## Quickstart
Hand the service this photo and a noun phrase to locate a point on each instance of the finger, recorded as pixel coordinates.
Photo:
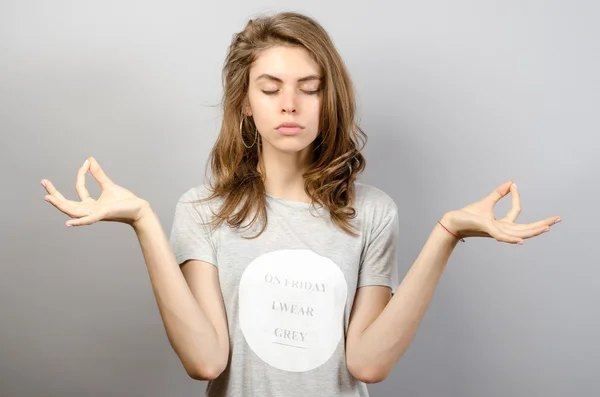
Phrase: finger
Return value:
(515, 209)
(525, 233)
(86, 220)
(499, 234)
(80, 182)
(98, 174)
(67, 207)
(550, 221)
(52, 190)
(500, 191)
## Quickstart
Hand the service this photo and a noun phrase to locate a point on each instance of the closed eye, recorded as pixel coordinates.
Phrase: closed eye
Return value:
(275, 92)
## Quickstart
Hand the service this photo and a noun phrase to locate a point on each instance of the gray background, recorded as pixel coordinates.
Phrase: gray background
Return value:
(456, 97)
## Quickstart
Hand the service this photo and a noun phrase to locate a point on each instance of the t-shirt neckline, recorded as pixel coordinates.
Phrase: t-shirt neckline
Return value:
(291, 203)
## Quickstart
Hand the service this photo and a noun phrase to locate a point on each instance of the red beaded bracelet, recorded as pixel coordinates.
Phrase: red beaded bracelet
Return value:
(461, 239)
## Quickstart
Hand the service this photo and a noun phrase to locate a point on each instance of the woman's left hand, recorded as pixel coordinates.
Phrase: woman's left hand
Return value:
(477, 219)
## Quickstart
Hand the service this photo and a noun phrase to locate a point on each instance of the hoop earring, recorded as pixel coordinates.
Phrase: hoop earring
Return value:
(242, 134)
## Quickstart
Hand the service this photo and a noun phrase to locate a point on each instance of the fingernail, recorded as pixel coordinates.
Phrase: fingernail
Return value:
(47, 199)
(43, 184)
(86, 162)
(546, 230)
(515, 185)
(69, 225)
(520, 242)
(558, 220)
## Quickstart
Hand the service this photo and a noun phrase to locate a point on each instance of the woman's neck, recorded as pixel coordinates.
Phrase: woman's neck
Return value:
(283, 174)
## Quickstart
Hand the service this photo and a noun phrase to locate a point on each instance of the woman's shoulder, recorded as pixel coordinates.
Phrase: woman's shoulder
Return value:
(199, 197)
(367, 198)
(195, 193)
(371, 197)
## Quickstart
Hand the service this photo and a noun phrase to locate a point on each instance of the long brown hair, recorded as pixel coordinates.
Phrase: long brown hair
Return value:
(329, 181)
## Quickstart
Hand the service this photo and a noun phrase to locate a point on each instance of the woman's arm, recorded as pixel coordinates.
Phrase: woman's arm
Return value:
(381, 329)
(189, 298)
(189, 301)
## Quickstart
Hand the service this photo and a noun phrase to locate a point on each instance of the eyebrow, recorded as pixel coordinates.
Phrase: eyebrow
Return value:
(301, 80)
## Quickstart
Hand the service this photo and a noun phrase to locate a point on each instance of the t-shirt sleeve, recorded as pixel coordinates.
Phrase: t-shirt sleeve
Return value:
(191, 236)
(379, 265)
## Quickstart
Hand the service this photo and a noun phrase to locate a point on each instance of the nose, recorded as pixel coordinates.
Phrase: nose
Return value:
(288, 104)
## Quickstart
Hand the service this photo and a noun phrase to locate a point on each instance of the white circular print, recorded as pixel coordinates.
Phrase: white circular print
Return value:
(291, 308)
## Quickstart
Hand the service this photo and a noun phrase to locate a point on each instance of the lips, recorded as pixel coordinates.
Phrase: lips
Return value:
(289, 125)
(289, 128)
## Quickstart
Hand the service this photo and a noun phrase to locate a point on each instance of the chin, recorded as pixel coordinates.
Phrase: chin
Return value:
(290, 147)
(288, 144)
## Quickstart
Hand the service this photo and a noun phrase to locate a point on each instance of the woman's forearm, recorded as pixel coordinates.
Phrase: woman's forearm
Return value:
(383, 343)
(189, 330)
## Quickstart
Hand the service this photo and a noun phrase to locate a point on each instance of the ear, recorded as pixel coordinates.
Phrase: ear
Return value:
(247, 109)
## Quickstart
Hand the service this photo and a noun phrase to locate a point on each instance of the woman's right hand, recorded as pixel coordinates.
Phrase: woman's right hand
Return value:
(115, 204)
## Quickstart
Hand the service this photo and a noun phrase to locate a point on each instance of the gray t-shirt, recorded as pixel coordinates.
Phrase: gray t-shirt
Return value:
(288, 294)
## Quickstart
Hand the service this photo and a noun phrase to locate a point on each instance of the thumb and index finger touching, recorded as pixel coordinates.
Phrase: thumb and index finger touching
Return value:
(503, 190)
(91, 165)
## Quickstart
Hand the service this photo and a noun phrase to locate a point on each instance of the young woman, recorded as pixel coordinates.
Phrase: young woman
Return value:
(279, 277)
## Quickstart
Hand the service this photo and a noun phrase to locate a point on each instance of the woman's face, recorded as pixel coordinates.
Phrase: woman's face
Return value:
(285, 87)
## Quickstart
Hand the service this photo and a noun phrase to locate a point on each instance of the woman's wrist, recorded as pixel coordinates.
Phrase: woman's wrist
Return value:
(144, 214)
(447, 222)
